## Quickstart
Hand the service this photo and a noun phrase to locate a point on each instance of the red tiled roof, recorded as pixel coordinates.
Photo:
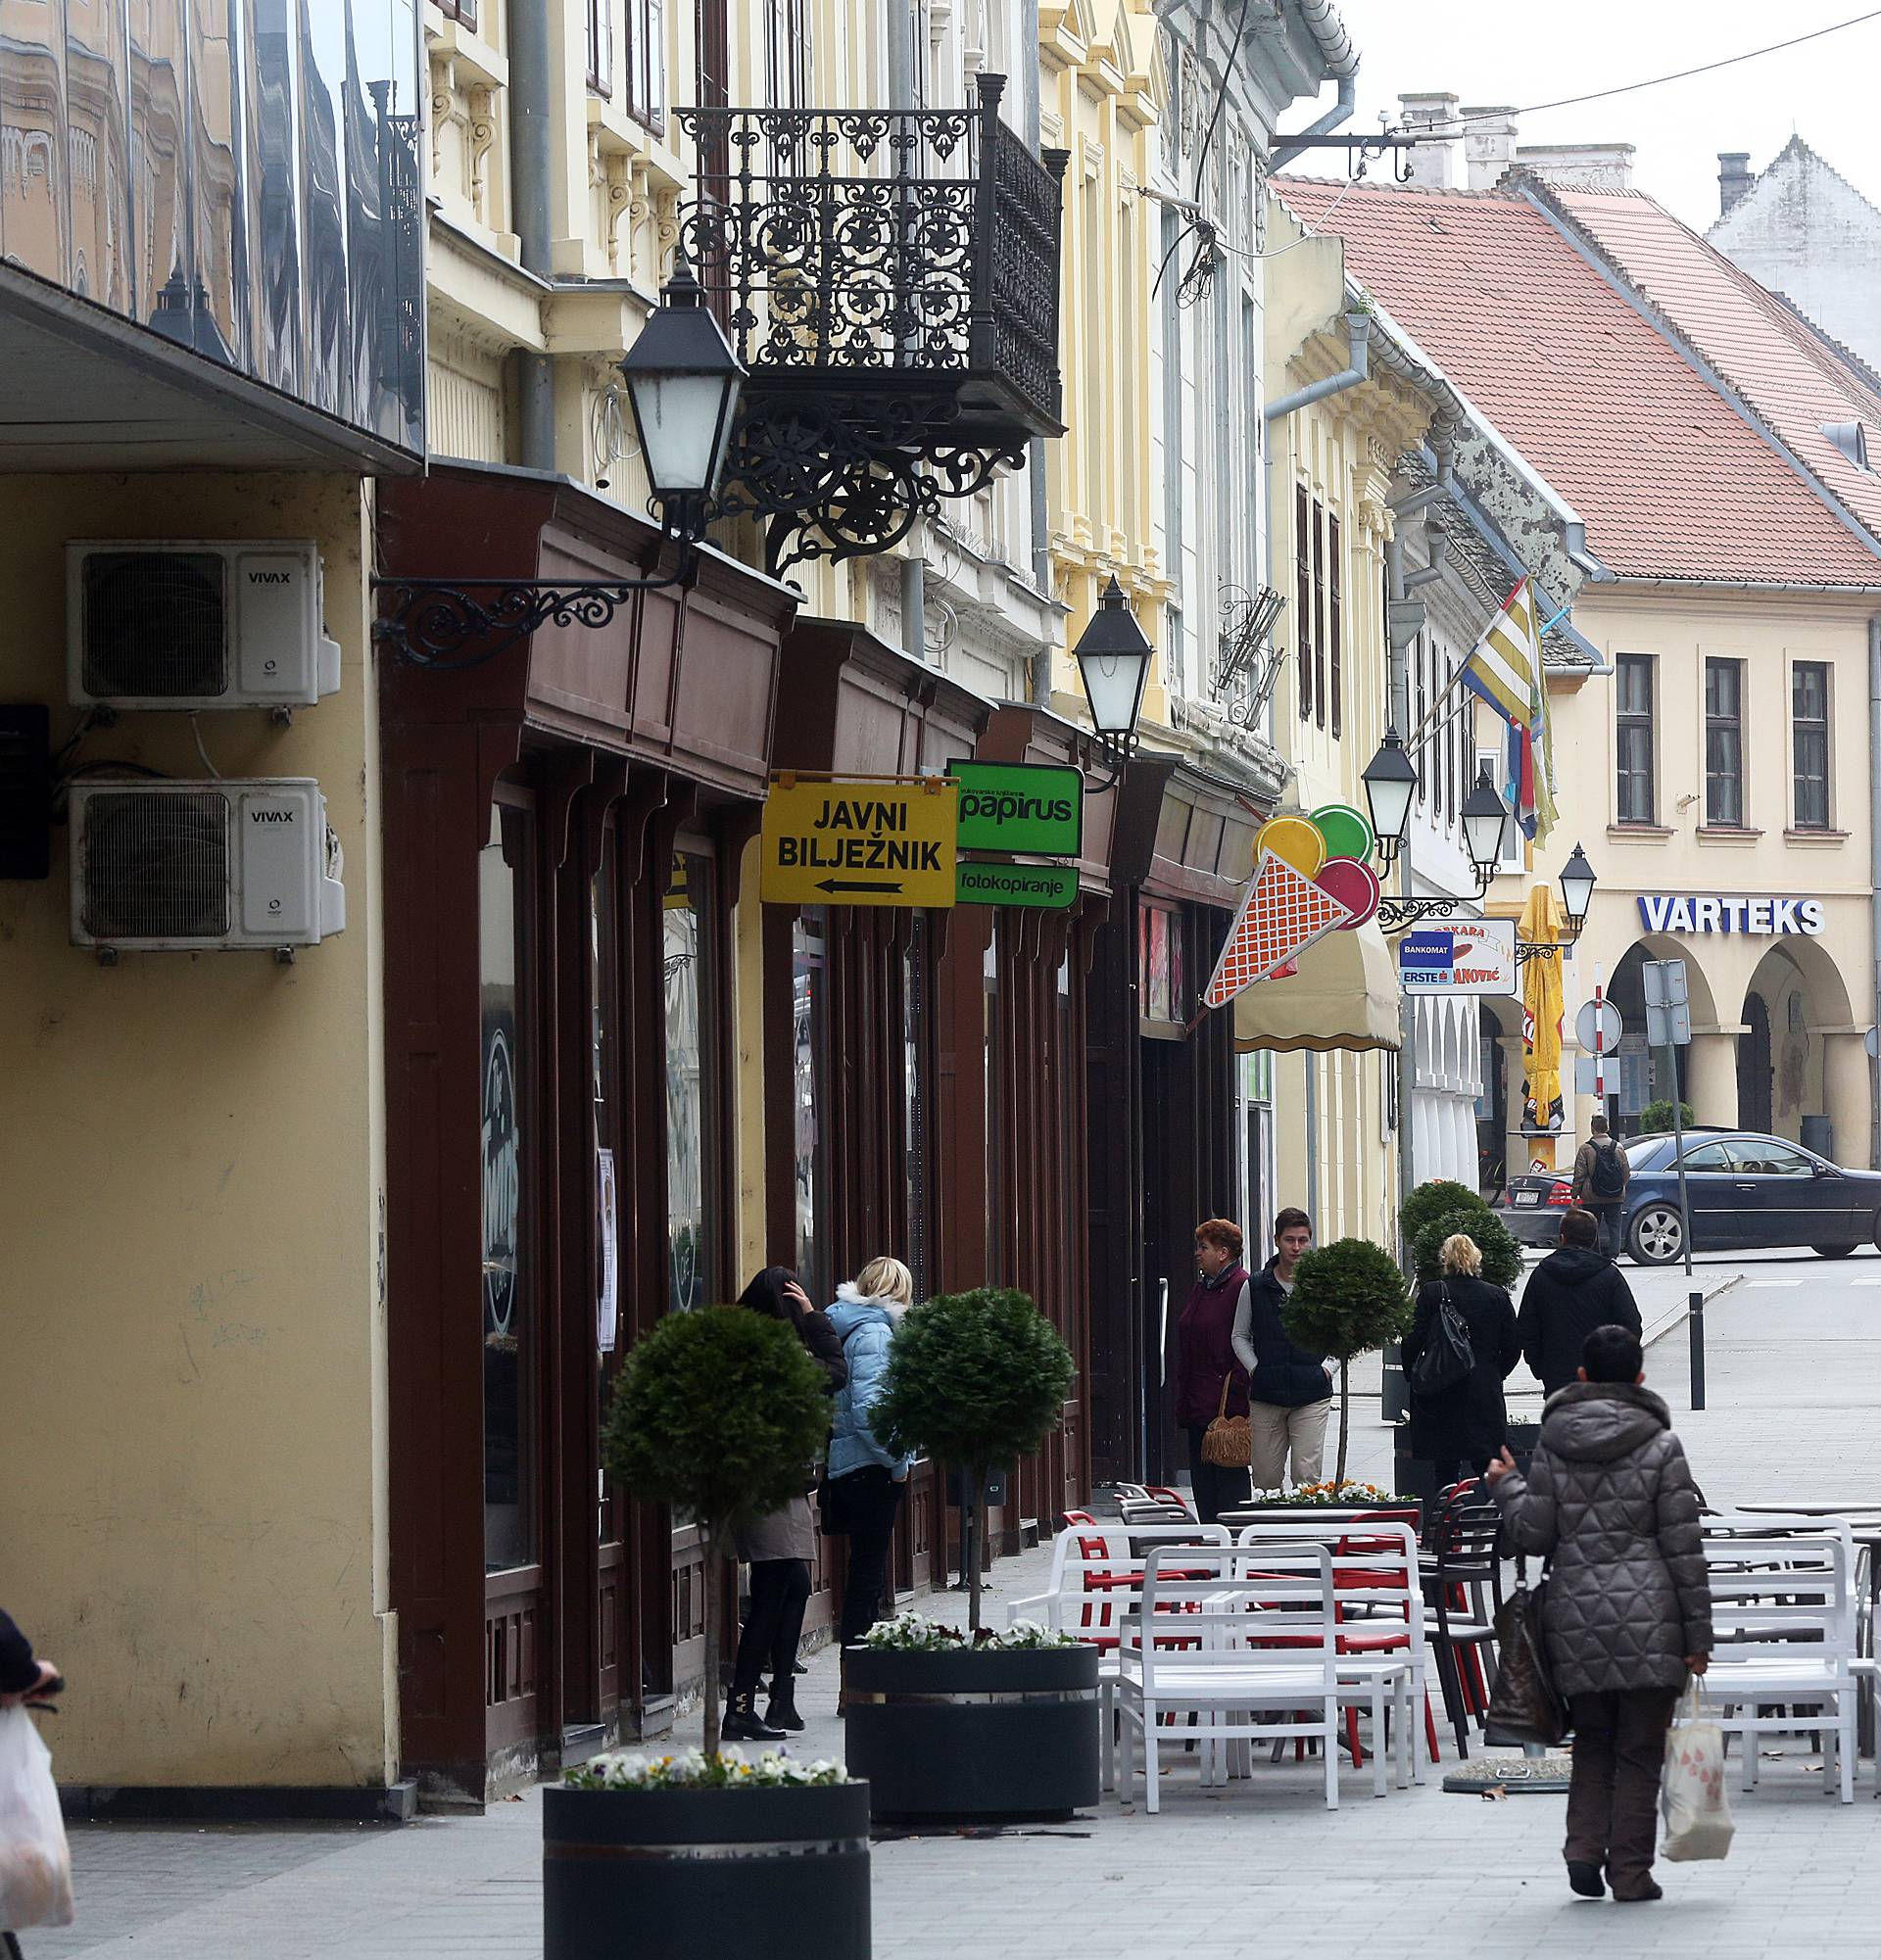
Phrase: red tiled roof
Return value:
(1669, 479)
(1747, 335)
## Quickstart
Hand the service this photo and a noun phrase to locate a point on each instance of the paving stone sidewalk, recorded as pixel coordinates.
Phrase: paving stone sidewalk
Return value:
(1794, 1354)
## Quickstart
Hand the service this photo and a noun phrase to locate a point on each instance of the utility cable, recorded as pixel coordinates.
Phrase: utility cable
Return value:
(1657, 80)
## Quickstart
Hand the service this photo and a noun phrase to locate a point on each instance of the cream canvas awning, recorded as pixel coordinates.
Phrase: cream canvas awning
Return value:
(1346, 996)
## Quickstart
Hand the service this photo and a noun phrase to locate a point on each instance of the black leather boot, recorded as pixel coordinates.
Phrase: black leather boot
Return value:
(742, 1724)
(781, 1711)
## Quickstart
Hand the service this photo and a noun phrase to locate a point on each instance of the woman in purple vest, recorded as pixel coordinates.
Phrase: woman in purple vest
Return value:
(1205, 1363)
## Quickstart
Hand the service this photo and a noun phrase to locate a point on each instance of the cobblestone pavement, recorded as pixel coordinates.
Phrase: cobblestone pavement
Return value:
(1794, 1365)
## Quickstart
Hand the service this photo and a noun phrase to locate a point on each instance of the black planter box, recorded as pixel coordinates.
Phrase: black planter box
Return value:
(655, 1873)
(974, 1737)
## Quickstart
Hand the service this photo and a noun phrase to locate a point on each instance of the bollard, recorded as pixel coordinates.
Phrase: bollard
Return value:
(1697, 1326)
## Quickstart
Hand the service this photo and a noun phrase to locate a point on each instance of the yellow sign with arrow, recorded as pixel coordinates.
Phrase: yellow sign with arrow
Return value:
(860, 843)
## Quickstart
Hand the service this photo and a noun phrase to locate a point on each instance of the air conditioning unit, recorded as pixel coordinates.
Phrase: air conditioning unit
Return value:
(187, 867)
(191, 623)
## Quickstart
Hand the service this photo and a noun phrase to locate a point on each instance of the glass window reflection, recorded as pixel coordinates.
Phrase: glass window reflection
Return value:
(687, 952)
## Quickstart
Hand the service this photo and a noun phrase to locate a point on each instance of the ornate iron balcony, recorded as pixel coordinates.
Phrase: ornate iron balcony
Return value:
(891, 279)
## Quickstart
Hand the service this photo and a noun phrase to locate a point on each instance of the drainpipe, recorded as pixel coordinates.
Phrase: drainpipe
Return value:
(1874, 870)
(530, 134)
(1358, 329)
(1341, 63)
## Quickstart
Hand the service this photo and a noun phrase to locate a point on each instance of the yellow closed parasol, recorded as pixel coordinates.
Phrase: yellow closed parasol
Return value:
(1542, 1113)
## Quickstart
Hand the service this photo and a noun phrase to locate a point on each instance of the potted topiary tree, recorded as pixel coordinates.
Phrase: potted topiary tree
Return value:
(1501, 1254)
(720, 1411)
(1348, 1297)
(985, 1725)
(1437, 1198)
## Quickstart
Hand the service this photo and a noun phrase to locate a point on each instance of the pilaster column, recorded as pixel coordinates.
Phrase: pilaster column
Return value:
(1710, 1079)
(1845, 1095)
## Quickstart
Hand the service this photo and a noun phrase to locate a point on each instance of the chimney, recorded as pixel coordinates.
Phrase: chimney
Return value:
(1432, 163)
(1488, 146)
(1580, 166)
(1734, 177)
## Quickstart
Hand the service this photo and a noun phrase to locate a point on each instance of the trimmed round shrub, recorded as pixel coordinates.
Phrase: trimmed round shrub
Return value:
(1501, 1254)
(1348, 1297)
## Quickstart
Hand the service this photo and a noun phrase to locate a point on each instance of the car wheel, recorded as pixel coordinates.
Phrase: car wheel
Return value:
(1657, 1236)
(1832, 1251)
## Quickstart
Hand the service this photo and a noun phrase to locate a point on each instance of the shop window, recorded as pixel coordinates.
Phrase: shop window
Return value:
(1633, 738)
(914, 1106)
(642, 57)
(509, 1332)
(1724, 742)
(809, 1045)
(1810, 739)
(1319, 614)
(1159, 965)
(691, 1222)
(604, 1005)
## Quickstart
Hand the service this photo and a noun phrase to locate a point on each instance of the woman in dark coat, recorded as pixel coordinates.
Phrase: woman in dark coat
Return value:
(1465, 1425)
(1209, 1380)
(780, 1545)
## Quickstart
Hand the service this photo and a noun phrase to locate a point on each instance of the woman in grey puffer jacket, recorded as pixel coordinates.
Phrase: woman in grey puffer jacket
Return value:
(1609, 1501)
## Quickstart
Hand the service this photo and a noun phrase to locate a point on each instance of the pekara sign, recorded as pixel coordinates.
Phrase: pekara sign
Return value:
(1469, 956)
(1687, 911)
(888, 843)
(1033, 809)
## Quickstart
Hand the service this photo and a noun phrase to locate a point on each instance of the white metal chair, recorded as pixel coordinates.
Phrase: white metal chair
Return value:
(1265, 1640)
(1382, 1643)
(1783, 1635)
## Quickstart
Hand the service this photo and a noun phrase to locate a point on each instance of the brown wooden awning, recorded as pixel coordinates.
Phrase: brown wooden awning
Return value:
(1182, 835)
(852, 706)
(684, 680)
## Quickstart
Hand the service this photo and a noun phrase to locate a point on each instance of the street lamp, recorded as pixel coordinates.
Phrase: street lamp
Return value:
(1577, 882)
(1114, 656)
(1485, 822)
(683, 382)
(1390, 782)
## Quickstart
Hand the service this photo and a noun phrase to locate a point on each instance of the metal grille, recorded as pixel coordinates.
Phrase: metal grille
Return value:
(156, 865)
(155, 623)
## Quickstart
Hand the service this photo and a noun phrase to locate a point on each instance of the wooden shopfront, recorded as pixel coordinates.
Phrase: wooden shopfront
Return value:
(564, 830)
(1166, 1155)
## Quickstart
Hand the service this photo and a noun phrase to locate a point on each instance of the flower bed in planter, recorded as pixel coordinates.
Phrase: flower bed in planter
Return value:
(655, 1855)
(947, 1732)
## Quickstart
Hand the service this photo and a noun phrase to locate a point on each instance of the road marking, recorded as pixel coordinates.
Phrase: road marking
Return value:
(1783, 1282)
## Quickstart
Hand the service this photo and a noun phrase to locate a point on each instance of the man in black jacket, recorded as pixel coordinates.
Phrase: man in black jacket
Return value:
(1290, 1388)
(1569, 1294)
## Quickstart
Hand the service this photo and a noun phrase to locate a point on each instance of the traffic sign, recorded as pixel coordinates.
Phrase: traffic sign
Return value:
(1048, 886)
(1598, 1026)
(860, 843)
(1033, 808)
(1669, 1015)
(1470, 956)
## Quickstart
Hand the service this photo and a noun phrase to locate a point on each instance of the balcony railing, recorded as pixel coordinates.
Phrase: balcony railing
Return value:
(897, 252)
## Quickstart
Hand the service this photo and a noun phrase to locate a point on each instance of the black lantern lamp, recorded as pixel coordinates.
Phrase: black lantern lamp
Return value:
(1577, 883)
(684, 381)
(1114, 658)
(1390, 782)
(1486, 827)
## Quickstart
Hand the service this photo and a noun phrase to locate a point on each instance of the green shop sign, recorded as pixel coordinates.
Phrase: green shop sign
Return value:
(1035, 809)
(1048, 886)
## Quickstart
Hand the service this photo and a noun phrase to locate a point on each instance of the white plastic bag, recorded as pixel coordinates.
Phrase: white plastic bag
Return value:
(1691, 1789)
(35, 1863)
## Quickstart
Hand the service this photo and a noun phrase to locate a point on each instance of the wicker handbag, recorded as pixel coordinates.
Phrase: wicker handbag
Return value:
(1229, 1441)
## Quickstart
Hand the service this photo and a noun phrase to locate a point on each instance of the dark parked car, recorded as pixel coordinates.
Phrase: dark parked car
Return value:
(1743, 1190)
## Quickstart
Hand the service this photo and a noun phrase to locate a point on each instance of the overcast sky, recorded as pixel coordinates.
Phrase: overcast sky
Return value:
(1489, 52)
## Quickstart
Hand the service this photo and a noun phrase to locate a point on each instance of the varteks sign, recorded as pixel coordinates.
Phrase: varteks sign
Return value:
(1679, 912)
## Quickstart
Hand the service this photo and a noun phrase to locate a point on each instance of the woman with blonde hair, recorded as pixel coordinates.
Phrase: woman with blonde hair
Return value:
(864, 1491)
(1465, 1422)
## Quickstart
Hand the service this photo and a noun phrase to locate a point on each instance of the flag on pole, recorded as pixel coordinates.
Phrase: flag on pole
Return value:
(1505, 670)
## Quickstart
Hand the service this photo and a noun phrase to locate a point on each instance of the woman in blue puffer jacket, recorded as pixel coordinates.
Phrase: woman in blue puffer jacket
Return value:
(865, 1483)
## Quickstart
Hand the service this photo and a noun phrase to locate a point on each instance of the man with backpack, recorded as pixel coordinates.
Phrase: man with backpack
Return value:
(1601, 1174)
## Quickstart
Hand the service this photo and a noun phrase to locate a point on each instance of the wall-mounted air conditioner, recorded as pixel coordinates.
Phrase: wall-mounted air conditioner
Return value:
(185, 866)
(191, 623)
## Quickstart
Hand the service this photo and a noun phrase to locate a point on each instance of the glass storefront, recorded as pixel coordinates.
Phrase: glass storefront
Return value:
(690, 1086)
(508, 1374)
(809, 1042)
